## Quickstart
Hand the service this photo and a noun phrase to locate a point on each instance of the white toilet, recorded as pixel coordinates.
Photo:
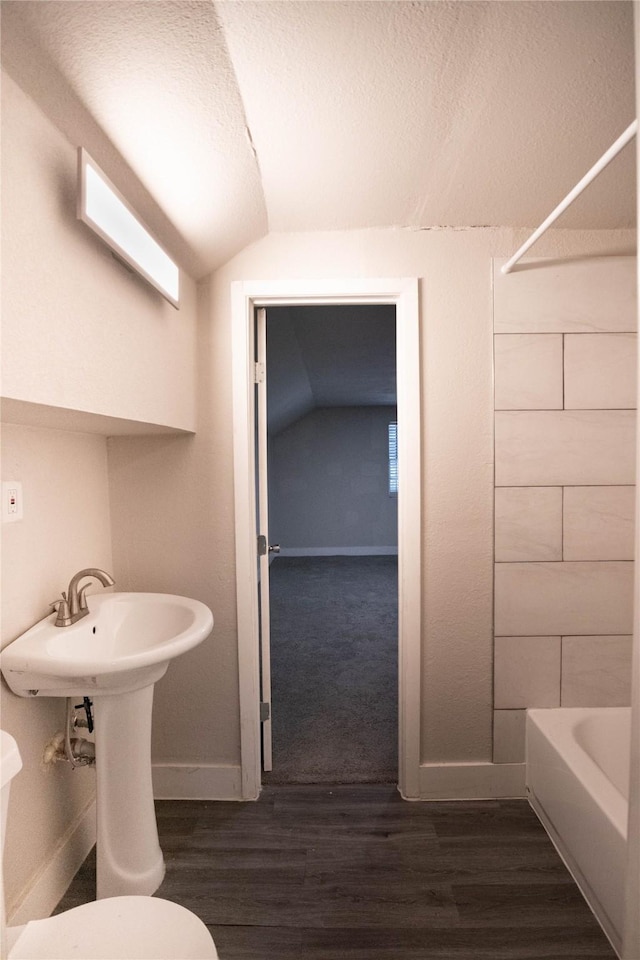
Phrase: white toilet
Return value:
(117, 928)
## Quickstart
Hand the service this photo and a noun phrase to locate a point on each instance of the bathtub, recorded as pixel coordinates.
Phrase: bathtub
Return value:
(578, 784)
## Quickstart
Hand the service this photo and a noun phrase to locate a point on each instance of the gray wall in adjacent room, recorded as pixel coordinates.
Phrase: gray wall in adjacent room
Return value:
(328, 482)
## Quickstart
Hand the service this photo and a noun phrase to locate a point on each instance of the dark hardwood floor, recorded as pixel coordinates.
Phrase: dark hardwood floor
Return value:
(356, 873)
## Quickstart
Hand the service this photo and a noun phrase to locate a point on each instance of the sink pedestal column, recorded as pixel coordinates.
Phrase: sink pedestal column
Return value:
(129, 858)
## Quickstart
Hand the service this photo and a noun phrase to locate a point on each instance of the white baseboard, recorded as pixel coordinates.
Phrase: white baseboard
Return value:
(472, 781)
(338, 551)
(49, 885)
(438, 781)
(188, 781)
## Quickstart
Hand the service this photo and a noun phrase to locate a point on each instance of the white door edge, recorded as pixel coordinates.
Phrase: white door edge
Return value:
(245, 297)
(260, 421)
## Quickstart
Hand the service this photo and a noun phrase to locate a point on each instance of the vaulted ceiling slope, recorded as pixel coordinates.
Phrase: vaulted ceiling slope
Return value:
(328, 356)
(241, 117)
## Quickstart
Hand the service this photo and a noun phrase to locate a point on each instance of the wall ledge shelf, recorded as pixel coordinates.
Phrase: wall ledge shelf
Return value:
(26, 413)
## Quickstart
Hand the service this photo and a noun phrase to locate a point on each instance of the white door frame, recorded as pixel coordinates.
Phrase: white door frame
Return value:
(403, 293)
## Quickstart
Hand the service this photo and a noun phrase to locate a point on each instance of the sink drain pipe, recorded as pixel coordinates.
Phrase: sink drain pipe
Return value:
(77, 751)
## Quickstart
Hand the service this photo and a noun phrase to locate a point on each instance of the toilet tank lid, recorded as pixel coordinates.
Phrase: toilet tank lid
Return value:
(10, 762)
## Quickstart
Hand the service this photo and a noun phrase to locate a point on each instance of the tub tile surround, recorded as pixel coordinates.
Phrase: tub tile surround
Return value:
(579, 295)
(527, 672)
(528, 372)
(528, 523)
(596, 671)
(600, 371)
(565, 386)
(565, 598)
(598, 523)
(564, 448)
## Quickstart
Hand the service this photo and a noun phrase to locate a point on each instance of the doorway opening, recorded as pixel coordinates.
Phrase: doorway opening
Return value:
(332, 511)
(402, 295)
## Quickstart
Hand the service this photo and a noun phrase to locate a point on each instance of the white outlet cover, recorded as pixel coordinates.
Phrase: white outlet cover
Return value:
(12, 507)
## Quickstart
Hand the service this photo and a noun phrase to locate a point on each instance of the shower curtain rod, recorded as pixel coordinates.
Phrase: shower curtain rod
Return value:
(597, 168)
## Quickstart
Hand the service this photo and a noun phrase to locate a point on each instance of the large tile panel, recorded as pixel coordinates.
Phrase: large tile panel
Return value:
(566, 296)
(600, 371)
(596, 671)
(564, 447)
(528, 371)
(528, 523)
(527, 672)
(598, 523)
(538, 599)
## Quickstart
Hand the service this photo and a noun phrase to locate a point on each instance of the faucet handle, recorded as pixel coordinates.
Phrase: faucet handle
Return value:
(61, 607)
(55, 604)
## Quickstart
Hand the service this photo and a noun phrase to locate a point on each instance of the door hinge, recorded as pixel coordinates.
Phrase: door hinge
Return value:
(258, 372)
(265, 711)
(262, 545)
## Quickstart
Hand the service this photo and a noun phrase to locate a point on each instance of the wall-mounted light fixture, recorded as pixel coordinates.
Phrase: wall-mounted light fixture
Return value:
(109, 215)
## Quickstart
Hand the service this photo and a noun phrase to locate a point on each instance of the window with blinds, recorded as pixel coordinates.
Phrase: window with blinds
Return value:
(393, 459)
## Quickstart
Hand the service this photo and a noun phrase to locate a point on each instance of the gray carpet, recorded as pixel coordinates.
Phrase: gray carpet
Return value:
(334, 655)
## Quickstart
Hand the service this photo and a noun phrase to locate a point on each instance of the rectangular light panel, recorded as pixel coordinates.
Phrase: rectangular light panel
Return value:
(108, 214)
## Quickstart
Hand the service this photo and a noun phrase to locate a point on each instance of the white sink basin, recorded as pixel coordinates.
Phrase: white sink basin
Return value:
(125, 643)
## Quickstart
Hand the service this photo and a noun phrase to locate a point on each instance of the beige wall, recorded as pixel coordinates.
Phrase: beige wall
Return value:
(631, 945)
(173, 530)
(80, 331)
(66, 527)
(457, 414)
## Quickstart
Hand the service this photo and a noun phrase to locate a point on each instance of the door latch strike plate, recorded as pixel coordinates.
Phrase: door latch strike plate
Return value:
(265, 711)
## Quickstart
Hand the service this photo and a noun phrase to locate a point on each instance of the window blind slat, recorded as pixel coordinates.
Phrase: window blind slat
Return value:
(393, 458)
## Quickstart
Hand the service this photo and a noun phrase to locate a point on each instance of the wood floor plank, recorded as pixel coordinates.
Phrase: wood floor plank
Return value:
(521, 905)
(233, 867)
(272, 943)
(341, 904)
(492, 859)
(355, 873)
(482, 818)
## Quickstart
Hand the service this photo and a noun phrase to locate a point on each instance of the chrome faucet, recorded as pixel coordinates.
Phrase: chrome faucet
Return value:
(73, 604)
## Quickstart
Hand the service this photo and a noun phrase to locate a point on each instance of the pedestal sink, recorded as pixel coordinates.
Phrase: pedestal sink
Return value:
(114, 655)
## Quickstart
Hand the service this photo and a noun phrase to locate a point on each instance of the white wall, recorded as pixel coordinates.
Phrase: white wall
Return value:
(80, 331)
(329, 481)
(66, 527)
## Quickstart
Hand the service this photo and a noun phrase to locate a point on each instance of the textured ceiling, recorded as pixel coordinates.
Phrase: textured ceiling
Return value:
(425, 114)
(241, 117)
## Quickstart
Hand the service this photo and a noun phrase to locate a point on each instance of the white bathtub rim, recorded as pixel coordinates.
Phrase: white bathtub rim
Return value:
(584, 813)
(614, 805)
